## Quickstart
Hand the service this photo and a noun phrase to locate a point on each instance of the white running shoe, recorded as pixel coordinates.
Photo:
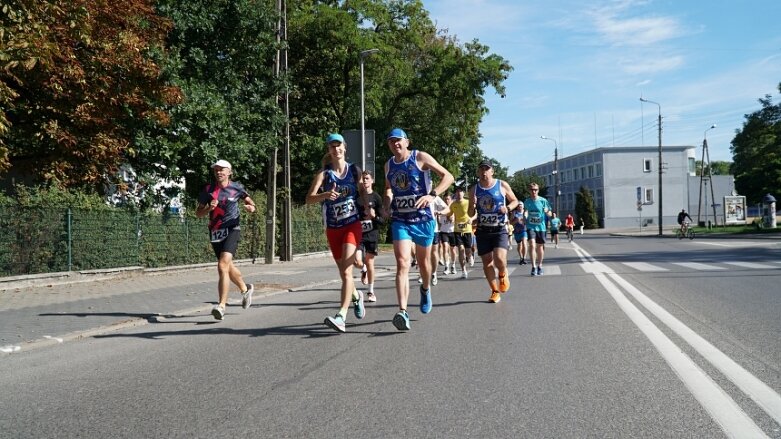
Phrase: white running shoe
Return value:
(246, 297)
(464, 274)
(453, 269)
(434, 279)
(218, 312)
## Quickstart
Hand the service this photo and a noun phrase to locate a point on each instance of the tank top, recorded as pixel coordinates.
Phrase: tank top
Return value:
(408, 183)
(489, 201)
(343, 210)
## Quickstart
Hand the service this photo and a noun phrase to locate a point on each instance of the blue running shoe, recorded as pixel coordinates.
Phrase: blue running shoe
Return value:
(401, 321)
(358, 308)
(425, 301)
(534, 271)
(336, 323)
(539, 271)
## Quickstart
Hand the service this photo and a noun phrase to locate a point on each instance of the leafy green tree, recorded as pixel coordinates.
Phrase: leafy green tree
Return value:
(77, 77)
(717, 167)
(221, 55)
(520, 184)
(756, 150)
(585, 209)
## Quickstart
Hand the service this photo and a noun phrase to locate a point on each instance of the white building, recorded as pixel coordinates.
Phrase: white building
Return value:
(618, 176)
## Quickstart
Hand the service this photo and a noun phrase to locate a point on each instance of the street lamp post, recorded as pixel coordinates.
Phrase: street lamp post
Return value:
(364, 54)
(555, 171)
(660, 160)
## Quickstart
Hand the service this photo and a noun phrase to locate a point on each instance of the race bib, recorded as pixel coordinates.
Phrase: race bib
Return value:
(462, 226)
(344, 210)
(535, 218)
(490, 219)
(367, 226)
(405, 204)
(219, 235)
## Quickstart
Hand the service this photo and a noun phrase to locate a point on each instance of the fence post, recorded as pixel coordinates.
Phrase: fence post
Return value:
(70, 240)
(138, 238)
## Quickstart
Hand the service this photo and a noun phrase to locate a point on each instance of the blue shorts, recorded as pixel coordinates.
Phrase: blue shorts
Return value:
(519, 237)
(421, 234)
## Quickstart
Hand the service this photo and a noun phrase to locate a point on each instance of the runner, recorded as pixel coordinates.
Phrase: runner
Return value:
(370, 223)
(569, 224)
(446, 238)
(408, 195)
(220, 200)
(463, 230)
(336, 186)
(519, 231)
(537, 211)
(437, 206)
(490, 199)
(555, 224)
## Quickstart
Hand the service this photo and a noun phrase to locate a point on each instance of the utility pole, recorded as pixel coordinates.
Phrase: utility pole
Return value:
(287, 237)
(705, 166)
(660, 162)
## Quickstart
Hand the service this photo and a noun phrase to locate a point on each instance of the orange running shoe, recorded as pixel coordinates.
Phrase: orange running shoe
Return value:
(504, 282)
(495, 297)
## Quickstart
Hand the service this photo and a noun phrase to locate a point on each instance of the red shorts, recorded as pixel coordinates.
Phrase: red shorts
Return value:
(349, 234)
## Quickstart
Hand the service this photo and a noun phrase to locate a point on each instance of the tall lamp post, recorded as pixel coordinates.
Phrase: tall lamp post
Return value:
(364, 55)
(555, 170)
(660, 160)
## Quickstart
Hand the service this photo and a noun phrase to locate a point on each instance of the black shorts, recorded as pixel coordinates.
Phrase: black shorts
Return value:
(448, 238)
(369, 246)
(464, 239)
(488, 241)
(537, 236)
(228, 245)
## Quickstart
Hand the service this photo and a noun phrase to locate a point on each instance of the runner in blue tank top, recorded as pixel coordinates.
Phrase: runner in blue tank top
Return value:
(408, 194)
(492, 199)
(337, 187)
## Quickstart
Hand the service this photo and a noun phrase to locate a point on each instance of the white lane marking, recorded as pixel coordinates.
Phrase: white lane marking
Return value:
(722, 408)
(57, 339)
(699, 266)
(750, 265)
(644, 266)
(761, 393)
(10, 348)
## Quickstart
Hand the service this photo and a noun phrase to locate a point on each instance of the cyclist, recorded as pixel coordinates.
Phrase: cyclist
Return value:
(569, 223)
(682, 220)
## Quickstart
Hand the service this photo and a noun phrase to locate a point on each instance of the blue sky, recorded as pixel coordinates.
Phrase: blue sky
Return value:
(580, 68)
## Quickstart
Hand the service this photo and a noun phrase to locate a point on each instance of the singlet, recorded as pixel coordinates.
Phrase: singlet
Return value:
(569, 221)
(460, 209)
(438, 205)
(519, 226)
(535, 210)
(489, 201)
(408, 183)
(343, 210)
(225, 216)
(446, 224)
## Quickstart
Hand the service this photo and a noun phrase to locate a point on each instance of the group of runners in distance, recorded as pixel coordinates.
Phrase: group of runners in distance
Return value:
(422, 224)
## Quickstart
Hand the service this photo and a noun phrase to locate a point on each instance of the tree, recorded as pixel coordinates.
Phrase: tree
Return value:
(520, 184)
(221, 54)
(756, 150)
(74, 98)
(584, 208)
(716, 168)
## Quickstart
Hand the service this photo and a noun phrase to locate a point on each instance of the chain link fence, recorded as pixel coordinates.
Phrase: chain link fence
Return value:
(41, 240)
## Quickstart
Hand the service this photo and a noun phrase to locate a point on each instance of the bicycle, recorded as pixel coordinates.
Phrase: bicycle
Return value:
(570, 236)
(685, 232)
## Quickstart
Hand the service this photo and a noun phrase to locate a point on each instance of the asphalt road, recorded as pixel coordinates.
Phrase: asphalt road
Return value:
(615, 340)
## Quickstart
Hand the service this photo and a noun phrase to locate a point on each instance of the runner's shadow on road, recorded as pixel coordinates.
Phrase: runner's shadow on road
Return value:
(149, 317)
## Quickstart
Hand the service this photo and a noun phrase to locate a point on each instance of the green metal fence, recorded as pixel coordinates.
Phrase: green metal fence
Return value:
(39, 240)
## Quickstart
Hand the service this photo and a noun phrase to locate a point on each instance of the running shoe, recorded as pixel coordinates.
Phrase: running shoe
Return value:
(425, 301)
(523, 261)
(401, 321)
(371, 297)
(504, 282)
(336, 323)
(534, 271)
(358, 308)
(495, 297)
(420, 280)
(218, 312)
(440, 262)
(246, 297)
(464, 274)
(434, 279)
(364, 275)
(472, 261)
(453, 269)
(539, 271)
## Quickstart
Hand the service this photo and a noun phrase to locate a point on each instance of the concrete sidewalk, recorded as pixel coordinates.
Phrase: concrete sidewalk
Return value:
(44, 314)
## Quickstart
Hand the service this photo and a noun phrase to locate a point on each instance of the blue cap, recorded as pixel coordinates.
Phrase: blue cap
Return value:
(334, 137)
(397, 133)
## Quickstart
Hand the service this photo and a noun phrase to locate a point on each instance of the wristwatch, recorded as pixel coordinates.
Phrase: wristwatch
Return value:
(433, 193)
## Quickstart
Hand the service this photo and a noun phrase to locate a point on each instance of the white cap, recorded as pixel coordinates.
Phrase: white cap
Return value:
(222, 164)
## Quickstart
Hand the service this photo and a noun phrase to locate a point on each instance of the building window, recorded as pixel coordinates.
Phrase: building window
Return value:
(599, 169)
(647, 165)
(648, 196)
(577, 176)
(598, 196)
(590, 171)
(692, 166)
